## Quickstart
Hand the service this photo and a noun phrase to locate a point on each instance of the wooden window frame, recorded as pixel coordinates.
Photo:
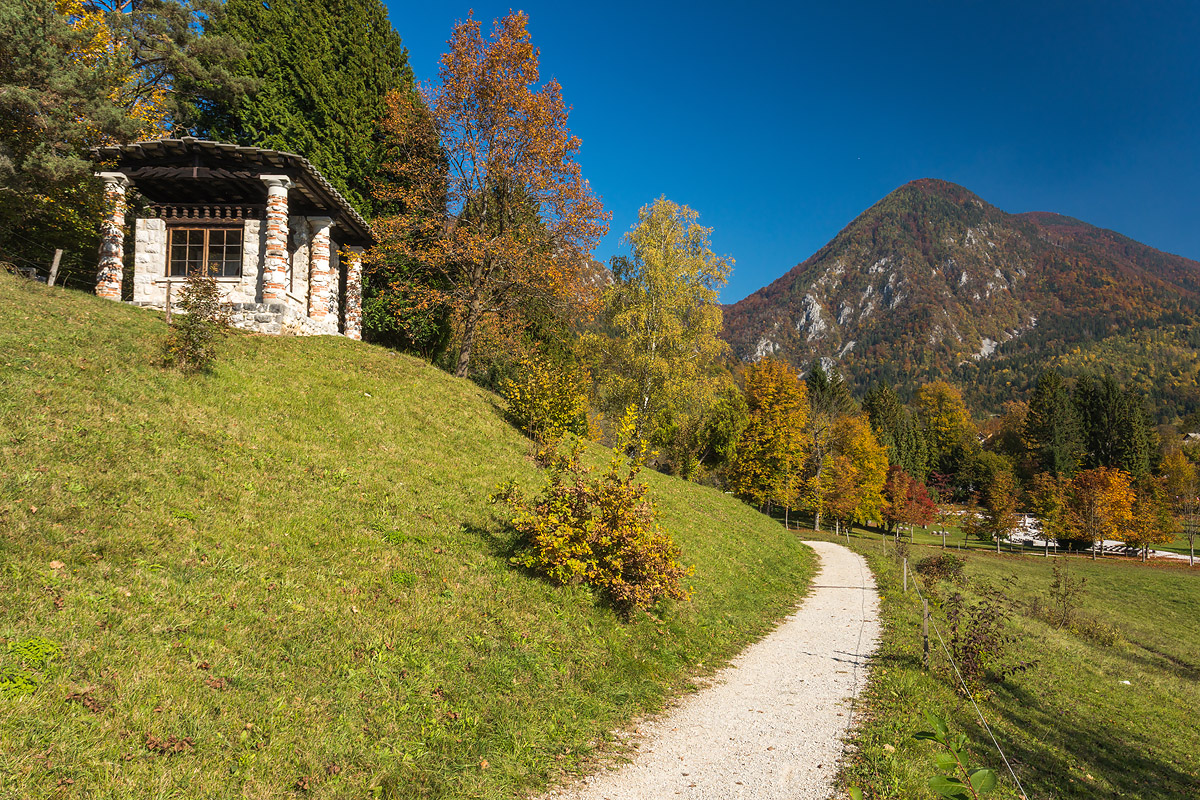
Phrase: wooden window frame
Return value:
(172, 230)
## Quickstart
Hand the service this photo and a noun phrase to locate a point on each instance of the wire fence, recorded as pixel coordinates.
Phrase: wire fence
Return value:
(930, 619)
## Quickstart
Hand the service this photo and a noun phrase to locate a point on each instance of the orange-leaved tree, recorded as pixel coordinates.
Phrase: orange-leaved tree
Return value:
(1183, 488)
(855, 477)
(771, 451)
(1153, 522)
(906, 501)
(500, 212)
(1101, 503)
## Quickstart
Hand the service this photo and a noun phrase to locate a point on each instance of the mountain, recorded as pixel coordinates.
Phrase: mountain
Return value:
(934, 283)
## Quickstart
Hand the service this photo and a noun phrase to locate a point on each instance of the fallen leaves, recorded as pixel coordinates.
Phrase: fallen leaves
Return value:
(169, 746)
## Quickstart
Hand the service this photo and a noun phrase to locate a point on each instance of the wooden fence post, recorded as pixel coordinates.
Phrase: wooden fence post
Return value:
(54, 267)
(906, 576)
(925, 630)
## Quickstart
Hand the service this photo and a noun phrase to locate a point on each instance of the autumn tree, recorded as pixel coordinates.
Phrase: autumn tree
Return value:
(770, 455)
(1052, 430)
(906, 501)
(660, 345)
(1101, 505)
(999, 506)
(1153, 522)
(946, 424)
(1048, 501)
(1182, 484)
(501, 215)
(857, 471)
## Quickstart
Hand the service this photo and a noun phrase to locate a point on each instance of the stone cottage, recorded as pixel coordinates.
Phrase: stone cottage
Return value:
(284, 246)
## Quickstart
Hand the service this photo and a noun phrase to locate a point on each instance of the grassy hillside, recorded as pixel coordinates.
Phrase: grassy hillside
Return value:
(1092, 718)
(284, 577)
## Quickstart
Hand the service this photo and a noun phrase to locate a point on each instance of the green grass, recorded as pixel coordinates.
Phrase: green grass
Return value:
(290, 567)
(1070, 726)
(957, 540)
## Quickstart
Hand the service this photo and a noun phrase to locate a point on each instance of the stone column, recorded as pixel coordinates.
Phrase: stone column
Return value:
(354, 292)
(275, 257)
(111, 268)
(320, 274)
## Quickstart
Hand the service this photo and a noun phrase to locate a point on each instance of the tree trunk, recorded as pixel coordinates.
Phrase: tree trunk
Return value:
(786, 524)
(474, 312)
(997, 545)
(817, 521)
(1093, 549)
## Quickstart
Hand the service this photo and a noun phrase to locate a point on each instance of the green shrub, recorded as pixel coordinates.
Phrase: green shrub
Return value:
(547, 400)
(598, 530)
(945, 567)
(34, 654)
(191, 343)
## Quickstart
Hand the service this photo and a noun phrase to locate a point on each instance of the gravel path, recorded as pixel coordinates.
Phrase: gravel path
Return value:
(772, 724)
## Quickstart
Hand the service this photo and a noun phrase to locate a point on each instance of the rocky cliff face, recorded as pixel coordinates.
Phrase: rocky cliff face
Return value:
(932, 282)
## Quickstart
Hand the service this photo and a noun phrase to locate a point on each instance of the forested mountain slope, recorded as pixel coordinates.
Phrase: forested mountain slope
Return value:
(934, 283)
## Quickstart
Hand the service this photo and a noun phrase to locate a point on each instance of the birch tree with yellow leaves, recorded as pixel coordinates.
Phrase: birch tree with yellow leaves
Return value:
(1101, 503)
(855, 475)
(659, 347)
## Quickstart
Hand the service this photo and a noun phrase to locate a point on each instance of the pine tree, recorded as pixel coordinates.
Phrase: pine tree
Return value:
(1052, 429)
(323, 69)
(897, 430)
(1116, 430)
(828, 392)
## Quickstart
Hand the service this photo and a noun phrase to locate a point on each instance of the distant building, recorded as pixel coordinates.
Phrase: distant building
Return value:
(284, 246)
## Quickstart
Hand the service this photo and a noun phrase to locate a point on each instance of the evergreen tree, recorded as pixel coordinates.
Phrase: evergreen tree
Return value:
(55, 102)
(75, 74)
(1052, 428)
(323, 70)
(897, 429)
(1116, 430)
(828, 393)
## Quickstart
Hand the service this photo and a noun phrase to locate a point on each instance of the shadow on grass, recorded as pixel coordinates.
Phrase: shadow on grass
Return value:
(1058, 751)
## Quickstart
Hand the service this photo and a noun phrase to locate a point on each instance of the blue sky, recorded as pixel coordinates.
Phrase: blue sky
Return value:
(781, 122)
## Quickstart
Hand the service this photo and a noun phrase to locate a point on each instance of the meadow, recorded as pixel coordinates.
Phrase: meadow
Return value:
(284, 578)
(1104, 709)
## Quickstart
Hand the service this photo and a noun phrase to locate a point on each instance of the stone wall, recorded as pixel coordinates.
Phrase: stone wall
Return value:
(302, 291)
(150, 262)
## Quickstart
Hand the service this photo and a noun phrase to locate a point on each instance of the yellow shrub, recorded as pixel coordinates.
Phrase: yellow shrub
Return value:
(546, 400)
(599, 530)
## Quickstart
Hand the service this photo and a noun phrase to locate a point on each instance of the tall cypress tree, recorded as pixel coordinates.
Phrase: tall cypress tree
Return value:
(1052, 428)
(323, 70)
(897, 429)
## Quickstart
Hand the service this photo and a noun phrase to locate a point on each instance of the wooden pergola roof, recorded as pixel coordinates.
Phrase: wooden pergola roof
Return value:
(199, 171)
